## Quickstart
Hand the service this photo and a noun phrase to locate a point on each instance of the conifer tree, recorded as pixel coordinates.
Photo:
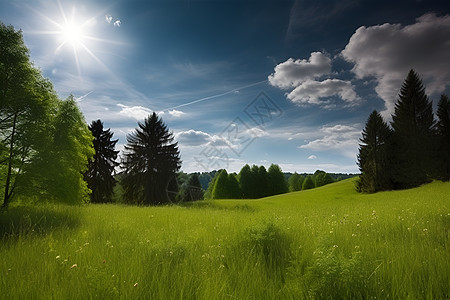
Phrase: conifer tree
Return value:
(413, 131)
(373, 155)
(443, 139)
(151, 161)
(99, 175)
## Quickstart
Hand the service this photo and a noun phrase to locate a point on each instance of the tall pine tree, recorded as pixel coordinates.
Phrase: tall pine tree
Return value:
(443, 139)
(373, 155)
(413, 133)
(99, 174)
(151, 161)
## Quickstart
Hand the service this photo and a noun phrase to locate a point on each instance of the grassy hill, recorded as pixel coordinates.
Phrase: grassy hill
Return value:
(327, 242)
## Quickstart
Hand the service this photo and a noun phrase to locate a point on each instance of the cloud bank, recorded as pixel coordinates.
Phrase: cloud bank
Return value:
(387, 52)
(304, 76)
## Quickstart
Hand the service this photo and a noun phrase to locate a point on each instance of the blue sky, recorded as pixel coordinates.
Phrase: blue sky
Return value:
(257, 82)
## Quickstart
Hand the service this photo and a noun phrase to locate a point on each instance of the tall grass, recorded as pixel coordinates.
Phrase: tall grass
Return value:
(329, 242)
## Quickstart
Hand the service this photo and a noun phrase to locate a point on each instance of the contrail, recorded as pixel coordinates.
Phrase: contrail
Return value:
(82, 97)
(215, 96)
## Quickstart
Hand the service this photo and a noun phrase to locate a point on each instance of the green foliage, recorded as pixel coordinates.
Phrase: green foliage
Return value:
(99, 174)
(151, 161)
(27, 104)
(226, 186)
(294, 183)
(327, 243)
(413, 134)
(277, 181)
(191, 189)
(373, 155)
(308, 183)
(56, 175)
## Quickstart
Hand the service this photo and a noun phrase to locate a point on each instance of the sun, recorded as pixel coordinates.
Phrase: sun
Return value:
(72, 34)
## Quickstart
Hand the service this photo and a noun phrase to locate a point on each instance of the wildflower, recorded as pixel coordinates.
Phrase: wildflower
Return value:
(58, 257)
(354, 234)
(74, 266)
(136, 284)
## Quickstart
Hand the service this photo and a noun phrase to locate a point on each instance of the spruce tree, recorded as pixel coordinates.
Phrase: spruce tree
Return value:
(151, 160)
(373, 155)
(99, 176)
(413, 131)
(443, 139)
(191, 190)
(246, 181)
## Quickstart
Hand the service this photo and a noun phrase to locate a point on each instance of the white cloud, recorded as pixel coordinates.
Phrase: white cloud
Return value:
(304, 77)
(176, 113)
(193, 137)
(311, 91)
(312, 157)
(136, 112)
(387, 52)
(292, 72)
(343, 138)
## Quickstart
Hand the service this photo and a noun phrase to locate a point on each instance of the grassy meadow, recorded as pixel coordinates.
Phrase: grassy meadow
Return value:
(329, 242)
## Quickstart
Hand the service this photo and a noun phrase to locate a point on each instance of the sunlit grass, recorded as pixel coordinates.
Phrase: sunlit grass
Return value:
(329, 242)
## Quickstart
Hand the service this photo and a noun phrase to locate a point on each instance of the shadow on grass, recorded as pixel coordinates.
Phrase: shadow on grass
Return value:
(23, 221)
(205, 204)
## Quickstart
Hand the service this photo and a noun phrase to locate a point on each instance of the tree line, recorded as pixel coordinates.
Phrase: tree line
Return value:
(257, 182)
(413, 150)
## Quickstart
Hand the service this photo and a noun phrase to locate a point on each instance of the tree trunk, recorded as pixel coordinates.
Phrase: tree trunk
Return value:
(8, 191)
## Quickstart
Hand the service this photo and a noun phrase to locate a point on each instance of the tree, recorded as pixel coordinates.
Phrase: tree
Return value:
(99, 174)
(150, 163)
(262, 184)
(220, 190)
(413, 131)
(308, 183)
(27, 103)
(373, 155)
(277, 181)
(294, 182)
(246, 182)
(191, 189)
(443, 139)
(56, 174)
(226, 186)
(234, 191)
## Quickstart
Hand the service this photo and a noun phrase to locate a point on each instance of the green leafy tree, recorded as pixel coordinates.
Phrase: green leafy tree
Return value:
(220, 189)
(318, 178)
(57, 174)
(246, 182)
(233, 189)
(294, 182)
(150, 163)
(301, 179)
(27, 103)
(443, 139)
(99, 175)
(373, 155)
(262, 184)
(277, 181)
(413, 124)
(308, 183)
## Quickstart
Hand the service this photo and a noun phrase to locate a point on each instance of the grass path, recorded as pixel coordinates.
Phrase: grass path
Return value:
(329, 242)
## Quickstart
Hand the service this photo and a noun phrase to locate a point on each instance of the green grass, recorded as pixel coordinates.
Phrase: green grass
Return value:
(329, 242)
